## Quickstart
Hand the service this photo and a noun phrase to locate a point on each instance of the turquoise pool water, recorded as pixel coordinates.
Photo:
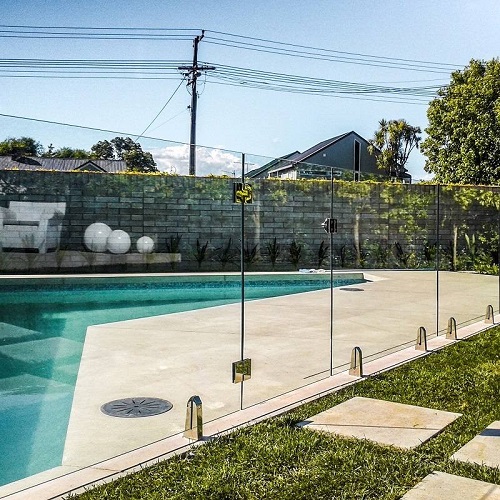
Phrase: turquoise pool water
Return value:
(42, 331)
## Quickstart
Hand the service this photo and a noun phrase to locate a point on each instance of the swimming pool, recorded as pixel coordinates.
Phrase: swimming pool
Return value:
(42, 331)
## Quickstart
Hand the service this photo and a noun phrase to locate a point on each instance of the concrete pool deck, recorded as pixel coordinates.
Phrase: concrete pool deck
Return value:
(177, 356)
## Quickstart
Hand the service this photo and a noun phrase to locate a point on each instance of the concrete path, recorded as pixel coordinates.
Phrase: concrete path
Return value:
(383, 422)
(483, 449)
(176, 356)
(443, 486)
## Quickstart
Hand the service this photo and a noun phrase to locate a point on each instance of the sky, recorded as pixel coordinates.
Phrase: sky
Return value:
(232, 119)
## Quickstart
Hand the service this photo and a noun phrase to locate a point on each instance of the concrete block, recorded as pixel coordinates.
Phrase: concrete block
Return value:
(384, 422)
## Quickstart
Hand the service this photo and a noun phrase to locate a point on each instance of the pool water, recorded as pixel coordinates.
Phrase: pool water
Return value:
(42, 332)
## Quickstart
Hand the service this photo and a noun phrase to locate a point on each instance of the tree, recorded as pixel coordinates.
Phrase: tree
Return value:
(395, 139)
(20, 146)
(124, 148)
(66, 152)
(463, 136)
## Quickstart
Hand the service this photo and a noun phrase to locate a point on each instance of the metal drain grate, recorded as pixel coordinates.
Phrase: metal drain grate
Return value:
(352, 289)
(136, 407)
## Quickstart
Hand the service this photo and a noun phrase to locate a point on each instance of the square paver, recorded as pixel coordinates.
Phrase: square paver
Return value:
(483, 449)
(384, 422)
(443, 486)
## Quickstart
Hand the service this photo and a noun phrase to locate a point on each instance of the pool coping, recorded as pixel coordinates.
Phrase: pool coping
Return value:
(44, 487)
(65, 279)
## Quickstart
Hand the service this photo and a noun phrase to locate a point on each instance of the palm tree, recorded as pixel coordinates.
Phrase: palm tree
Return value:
(393, 142)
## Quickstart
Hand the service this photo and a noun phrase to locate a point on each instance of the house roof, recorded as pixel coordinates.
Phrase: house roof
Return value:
(320, 147)
(303, 157)
(268, 166)
(61, 164)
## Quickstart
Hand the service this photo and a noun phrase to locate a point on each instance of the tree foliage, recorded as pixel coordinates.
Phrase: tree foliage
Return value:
(66, 152)
(463, 136)
(124, 148)
(20, 146)
(395, 139)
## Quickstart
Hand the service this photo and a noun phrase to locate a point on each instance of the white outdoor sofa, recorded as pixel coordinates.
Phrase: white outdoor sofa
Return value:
(31, 225)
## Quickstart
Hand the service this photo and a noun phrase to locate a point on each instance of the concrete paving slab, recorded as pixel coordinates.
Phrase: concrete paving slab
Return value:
(384, 422)
(443, 486)
(483, 449)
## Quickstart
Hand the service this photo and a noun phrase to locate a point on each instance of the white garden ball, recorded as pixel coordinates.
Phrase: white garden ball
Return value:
(118, 241)
(96, 236)
(145, 244)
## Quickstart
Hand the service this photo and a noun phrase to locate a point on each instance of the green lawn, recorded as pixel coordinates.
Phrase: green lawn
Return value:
(276, 460)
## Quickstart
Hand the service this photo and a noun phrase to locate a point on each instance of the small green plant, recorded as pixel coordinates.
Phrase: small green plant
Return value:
(341, 253)
(200, 252)
(173, 246)
(322, 253)
(226, 254)
(273, 251)
(471, 248)
(483, 268)
(429, 252)
(402, 256)
(250, 253)
(381, 254)
(295, 251)
(447, 260)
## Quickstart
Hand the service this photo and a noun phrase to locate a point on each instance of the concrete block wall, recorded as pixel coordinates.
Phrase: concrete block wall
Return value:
(201, 209)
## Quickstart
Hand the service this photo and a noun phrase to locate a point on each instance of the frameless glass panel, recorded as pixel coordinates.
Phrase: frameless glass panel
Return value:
(386, 230)
(286, 252)
(468, 277)
(141, 302)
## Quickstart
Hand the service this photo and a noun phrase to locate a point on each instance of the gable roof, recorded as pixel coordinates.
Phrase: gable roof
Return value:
(61, 164)
(268, 166)
(325, 144)
(319, 147)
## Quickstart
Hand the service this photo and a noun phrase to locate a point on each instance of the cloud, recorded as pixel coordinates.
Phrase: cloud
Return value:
(215, 161)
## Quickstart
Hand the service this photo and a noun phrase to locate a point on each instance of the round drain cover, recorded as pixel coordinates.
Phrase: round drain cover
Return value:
(136, 407)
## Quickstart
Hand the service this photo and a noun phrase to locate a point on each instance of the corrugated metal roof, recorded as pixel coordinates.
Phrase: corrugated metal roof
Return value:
(62, 164)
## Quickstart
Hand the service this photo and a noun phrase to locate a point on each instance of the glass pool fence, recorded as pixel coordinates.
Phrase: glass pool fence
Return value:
(125, 294)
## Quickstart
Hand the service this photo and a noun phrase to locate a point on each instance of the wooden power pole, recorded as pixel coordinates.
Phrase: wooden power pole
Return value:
(193, 72)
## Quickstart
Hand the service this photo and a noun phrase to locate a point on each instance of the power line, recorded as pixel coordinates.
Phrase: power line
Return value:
(224, 39)
(161, 110)
(329, 50)
(346, 60)
(167, 69)
(83, 127)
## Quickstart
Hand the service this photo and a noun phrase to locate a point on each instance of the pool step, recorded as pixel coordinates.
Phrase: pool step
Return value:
(9, 333)
(42, 351)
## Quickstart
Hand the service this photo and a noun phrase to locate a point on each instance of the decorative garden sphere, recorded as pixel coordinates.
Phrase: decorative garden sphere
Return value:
(118, 241)
(145, 244)
(96, 236)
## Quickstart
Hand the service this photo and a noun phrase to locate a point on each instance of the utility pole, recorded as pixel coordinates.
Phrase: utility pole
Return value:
(193, 72)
